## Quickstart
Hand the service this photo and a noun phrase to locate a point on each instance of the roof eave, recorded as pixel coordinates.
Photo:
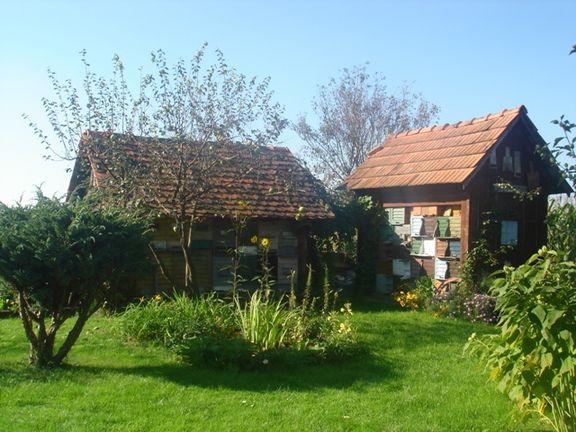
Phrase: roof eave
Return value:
(484, 160)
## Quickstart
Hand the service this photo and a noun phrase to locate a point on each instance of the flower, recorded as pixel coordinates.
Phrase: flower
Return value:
(344, 328)
(264, 242)
(157, 298)
(242, 204)
(254, 239)
(265, 361)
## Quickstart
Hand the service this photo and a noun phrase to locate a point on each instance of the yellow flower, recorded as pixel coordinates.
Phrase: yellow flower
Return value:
(264, 242)
(254, 239)
(157, 298)
(242, 204)
(344, 328)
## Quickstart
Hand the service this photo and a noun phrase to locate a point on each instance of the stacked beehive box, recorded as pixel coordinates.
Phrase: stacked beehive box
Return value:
(419, 241)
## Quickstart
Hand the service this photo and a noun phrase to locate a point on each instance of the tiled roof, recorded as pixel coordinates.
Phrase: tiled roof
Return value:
(446, 154)
(258, 182)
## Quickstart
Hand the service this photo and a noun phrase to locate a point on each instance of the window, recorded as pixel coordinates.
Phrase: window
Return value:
(517, 164)
(507, 161)
(493, 160)
(509, 233)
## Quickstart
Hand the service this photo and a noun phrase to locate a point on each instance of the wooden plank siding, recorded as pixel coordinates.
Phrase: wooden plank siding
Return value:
(212, 242)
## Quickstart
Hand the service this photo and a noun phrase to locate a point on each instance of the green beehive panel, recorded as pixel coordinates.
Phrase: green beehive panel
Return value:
(416, 248)
(396, 215)
(443, 227)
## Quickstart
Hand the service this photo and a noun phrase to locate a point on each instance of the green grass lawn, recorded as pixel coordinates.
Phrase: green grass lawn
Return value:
(416, 380)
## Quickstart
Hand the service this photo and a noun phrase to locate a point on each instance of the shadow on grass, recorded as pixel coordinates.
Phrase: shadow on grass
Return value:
(305, 378)
(413, 331)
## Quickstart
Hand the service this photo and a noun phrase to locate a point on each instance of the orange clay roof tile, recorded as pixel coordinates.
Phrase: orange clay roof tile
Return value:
(275, 185)
(446, 154)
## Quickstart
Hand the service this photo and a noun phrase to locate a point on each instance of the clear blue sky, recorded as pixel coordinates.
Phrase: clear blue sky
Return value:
(468, 57)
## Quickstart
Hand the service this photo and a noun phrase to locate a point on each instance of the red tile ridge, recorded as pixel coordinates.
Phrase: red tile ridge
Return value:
(377, 149)
(475, 120)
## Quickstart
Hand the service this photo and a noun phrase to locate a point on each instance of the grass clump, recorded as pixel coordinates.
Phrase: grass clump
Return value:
(260, 331)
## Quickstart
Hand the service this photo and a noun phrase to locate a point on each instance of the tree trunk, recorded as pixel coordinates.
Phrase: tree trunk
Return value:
(165, 273)
(41, 342)
(73, 335)
(190, 284)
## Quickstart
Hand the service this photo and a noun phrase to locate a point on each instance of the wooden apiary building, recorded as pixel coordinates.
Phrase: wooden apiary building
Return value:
(445, 187)
(265, 188)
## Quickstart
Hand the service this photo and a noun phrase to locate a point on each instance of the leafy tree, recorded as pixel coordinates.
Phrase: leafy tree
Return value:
(564, 147)
(62, 260)
(185, 112)
(355, 113)
(533, 357)
(351, 234)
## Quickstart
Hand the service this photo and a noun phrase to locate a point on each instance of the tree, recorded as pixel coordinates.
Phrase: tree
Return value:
(356, 113)
(62, 260)
(185, 112)
(564, 147)
(533, 357)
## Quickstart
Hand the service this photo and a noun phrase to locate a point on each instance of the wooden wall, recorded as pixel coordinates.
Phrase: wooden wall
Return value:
(212, 244)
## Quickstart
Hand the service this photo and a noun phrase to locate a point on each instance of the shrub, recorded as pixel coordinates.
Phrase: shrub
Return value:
(172, 321)
(262, 332)
(463, 305)
(561, 221)
(418, 295)
(533, 358)
(61, 260)
(480, 308)
(8, 303)
(265, 322)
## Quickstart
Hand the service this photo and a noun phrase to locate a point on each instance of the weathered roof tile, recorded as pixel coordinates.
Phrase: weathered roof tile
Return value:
(266, 183)
(445, 154)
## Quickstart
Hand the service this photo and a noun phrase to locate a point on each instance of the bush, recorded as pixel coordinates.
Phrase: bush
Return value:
(8, 303)
(265, 322)
(61, 260)
(172, 321)
(480, 308)
(260, 333)
(460, 304)
(533, 358)
(417, 294)
(561, 221)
